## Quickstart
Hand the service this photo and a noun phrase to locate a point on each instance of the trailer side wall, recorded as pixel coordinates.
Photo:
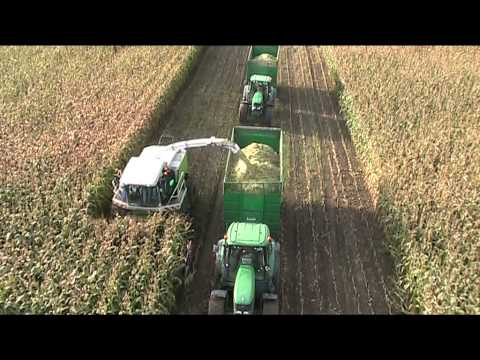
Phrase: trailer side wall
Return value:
(256, 67)
(254, 201)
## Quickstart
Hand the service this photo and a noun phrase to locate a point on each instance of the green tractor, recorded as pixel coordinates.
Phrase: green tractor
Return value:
(247, 268)
(258, 101)
(259, 86)
(247, 271)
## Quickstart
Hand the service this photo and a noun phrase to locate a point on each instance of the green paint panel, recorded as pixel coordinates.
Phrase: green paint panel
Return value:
(244, 289)
(264, 49)
(257, 98)
(255, 67)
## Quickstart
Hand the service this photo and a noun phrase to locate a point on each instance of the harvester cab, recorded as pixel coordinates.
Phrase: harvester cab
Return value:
(157, 180)
(246, 271)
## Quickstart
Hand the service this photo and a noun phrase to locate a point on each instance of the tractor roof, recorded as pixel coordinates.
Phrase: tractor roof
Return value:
(247, 234)
(146, 169)
(260, 78)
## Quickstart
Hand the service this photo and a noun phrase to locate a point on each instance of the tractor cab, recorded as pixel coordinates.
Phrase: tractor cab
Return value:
(258, 99)
(261, 89)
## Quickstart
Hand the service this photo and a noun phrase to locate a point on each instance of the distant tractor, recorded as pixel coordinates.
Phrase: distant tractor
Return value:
(258, 100)
(158, 179)
(246, 271)
(260, 86)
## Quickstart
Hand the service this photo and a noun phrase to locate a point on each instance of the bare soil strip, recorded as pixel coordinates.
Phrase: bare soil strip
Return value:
(333, 258)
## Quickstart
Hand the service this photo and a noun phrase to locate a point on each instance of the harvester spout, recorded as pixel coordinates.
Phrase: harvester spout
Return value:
(212, 141)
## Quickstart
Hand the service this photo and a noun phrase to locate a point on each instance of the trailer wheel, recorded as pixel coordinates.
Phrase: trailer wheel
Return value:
(216, 305)
(270, 307)
(242, 113)
(277, 276)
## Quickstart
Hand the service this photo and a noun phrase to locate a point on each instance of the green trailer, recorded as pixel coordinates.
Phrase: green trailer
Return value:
(262, 205)
(262, 60)
(260, 85)
(247, 259)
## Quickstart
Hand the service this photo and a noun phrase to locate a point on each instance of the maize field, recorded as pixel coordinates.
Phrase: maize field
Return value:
(381, 195)
(67, 113)
(415, 120)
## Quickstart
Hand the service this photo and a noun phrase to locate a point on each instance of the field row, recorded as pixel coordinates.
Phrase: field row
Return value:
(68, 113)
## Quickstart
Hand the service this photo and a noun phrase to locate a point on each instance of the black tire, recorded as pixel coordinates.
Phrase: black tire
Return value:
(268, 116)
(216, 306)
(277, 275)
(217, 277)
(243, 113)
(276, 282)
(271, 307)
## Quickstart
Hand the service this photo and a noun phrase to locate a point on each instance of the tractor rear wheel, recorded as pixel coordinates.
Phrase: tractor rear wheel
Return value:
(242, 113)
(277, 274)
(270, 307)
(216, 305)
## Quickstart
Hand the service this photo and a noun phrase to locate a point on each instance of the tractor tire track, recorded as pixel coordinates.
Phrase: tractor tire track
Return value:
(328, 273)
(307, 240)
(357, 272)
(207, 107)
(332, 252)
(328, 247)
(292, 280)
(379, 267)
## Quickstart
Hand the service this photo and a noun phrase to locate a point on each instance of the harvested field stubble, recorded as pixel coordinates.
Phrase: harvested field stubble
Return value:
(414, 116)
(67, 113)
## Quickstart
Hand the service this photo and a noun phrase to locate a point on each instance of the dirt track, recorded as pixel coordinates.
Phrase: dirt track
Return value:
(333, 259)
